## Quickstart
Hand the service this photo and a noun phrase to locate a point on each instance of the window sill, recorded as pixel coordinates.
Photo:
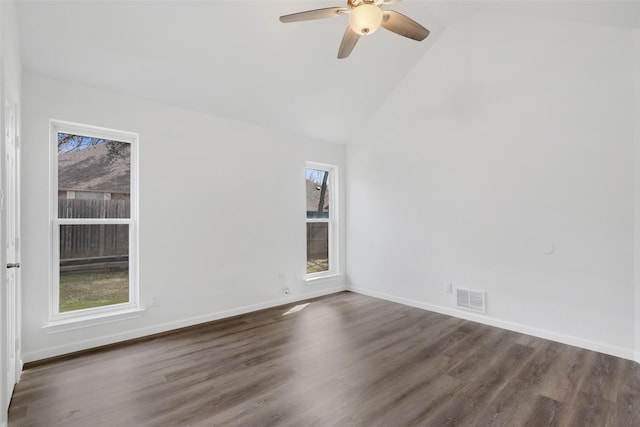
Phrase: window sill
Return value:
(318, 280)
(91, 320)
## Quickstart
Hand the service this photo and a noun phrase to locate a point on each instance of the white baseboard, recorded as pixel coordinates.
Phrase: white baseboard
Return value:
(164, 327)
(516, 327)
(19, 373)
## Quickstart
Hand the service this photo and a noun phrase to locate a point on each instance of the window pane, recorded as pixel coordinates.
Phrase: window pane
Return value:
(317, 247)
(94, 177)
(317, 193)
(94, 265)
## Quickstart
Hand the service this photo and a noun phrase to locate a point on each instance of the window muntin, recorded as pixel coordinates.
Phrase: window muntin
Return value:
(321, 225)
(93, 221)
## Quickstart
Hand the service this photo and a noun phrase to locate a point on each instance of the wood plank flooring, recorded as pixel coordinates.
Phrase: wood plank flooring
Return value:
(342, 360)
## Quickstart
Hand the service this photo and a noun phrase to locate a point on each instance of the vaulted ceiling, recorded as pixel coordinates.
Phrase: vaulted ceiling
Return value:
(235, 59)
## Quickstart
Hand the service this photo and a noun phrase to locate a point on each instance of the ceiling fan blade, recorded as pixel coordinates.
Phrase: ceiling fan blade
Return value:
(403, 25)
(391, 1)
(349, 41)
(309, 15)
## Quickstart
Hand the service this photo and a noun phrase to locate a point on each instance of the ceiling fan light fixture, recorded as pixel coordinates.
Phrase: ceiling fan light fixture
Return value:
(365, 19)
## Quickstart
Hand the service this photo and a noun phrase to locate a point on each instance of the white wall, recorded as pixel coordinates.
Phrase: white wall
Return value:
(222, 223)
(9, 45)
(10, 60)
(511, 139)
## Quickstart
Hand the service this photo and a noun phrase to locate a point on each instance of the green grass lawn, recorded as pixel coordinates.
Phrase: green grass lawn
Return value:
(88, 290)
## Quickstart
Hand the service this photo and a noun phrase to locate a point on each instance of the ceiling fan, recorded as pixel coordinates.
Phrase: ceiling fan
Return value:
(365, 17)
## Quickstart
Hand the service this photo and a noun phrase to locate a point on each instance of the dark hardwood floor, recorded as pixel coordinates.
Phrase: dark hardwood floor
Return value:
(343, 360)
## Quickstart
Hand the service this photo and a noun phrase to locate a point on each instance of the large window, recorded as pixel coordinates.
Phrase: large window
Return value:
(321, 224)
(93, 209)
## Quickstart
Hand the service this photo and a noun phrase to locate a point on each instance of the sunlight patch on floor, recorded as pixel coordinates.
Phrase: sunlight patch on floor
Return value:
(296, 308)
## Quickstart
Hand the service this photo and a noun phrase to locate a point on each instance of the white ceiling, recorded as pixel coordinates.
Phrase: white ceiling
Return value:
(235, 59)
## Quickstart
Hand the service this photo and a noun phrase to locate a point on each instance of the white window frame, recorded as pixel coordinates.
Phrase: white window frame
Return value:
(334, 267)
(91, 315)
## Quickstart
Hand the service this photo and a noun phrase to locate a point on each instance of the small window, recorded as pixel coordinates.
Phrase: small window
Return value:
(321, 225)
(94, 221)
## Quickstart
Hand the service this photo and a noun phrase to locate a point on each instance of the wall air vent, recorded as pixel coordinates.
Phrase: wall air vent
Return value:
(470, 300)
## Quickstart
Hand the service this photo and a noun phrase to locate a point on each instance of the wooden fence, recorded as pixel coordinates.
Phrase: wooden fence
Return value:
(317, 240)
(95, 240)
(103, 264)
(80, 208)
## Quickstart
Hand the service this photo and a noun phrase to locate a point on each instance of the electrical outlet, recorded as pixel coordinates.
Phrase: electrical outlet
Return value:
(153, 302)
(449, 288)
